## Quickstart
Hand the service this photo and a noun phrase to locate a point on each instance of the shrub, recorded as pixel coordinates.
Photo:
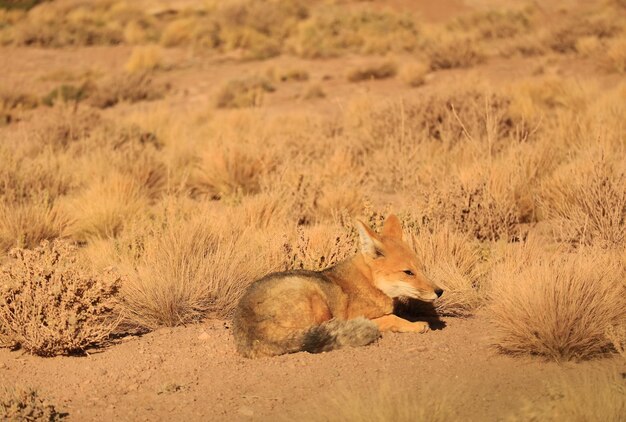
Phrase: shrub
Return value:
(591, 396)
(617, 55)
(247, 92)
(332, 32)
(455, 263)
(189, 269)
(495, 24)
(144, 59)
(228, 171)
(563, 37)
(313, 92)
(131, 87)
(373, 71)
(380, 404)
(105, 207)
(49, 305)
(25, 225)
(556, 306)
(414, 74)
(448, 51)
(68, 93)
(319, 247)
(24, 404)
(586, 202)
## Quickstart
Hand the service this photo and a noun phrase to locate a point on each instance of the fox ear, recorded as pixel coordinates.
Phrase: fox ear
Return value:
(370, 242)
(392, 227)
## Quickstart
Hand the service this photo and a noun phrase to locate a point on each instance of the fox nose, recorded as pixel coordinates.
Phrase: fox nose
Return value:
(438, 292)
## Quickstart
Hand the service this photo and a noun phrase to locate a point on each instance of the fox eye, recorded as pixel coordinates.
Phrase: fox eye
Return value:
(408, 272)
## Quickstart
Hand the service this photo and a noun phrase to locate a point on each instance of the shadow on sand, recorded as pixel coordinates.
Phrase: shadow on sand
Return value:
(415, 310)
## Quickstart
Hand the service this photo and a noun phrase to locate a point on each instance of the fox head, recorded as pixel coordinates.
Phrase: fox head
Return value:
(395, 268)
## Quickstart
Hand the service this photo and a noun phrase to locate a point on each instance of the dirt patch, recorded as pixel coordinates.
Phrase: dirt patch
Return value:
(194, 373)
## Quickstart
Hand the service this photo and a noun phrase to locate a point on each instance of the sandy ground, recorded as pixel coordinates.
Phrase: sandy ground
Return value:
(194, 374)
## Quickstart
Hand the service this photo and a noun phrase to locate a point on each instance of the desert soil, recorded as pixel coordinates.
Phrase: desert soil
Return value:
(194, 373)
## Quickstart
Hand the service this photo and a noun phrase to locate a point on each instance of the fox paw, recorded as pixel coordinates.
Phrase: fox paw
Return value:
(420, 327)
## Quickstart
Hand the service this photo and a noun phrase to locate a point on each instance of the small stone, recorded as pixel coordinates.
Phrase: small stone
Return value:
(204, 336)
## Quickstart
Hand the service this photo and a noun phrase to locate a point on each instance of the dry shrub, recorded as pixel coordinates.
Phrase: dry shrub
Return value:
(616, 55)
(190, 31)
(12, 101)
(448, 50)
(186, 270)
(563, 36)
(380, 404)
(455, 263)
(247, 92)
(556, 306)
(253, 29)
(590, 396)
(495, 24)
(296, 75)
(24, 404)
(144, 59)
(49, 305)
(414, 74)
(130, 87)
(228, 171)
(488, 201)
(105, 207)
(586, 202)
(332, 32)
(373, 71)
(77, 23)
(588, 46)
(450, 117)
(313, 92)
(258, 28)
(318, 247)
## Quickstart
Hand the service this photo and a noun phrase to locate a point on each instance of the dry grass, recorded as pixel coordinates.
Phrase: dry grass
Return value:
(185, 270)
(373, 71)
(586, 201)
(24, 404)
(381, 404)
(593, 396)
(91, 216)
(331, 32)
(229, 171)
(144, 59)
(129, 87)
(455, 263)
(616, 55)
(248, 92)
(50, 305)
(447, 50)
(414, 74)
(557, 306)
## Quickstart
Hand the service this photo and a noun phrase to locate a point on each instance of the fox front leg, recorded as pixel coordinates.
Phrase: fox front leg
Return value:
(396, 324)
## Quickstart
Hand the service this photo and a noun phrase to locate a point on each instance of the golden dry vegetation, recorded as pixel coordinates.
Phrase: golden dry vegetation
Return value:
(227, 140)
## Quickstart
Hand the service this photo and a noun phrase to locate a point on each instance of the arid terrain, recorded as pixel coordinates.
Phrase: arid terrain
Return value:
(156, 157)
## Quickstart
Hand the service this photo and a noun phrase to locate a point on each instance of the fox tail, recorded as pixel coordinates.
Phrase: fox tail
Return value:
(336, 333)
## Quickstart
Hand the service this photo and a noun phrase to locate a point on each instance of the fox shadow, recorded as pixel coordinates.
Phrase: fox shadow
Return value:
(415, 310)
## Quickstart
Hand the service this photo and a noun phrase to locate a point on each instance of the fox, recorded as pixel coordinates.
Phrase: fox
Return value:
(348, 304)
